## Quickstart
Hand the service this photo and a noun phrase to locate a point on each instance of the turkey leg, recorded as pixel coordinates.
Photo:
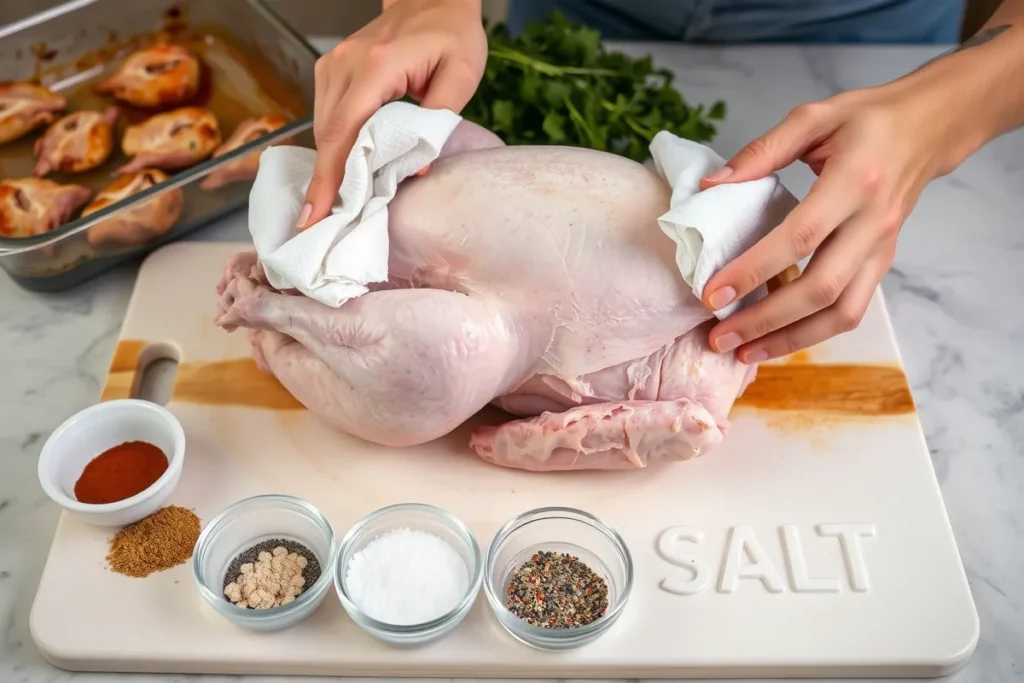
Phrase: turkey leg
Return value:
(398, 367)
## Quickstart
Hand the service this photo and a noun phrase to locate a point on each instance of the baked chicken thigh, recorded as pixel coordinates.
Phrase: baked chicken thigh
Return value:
(141, 223)
(33, 206)
(77, 142)
(176, 139)
(158, 77)
(25, 107)
(246, 167)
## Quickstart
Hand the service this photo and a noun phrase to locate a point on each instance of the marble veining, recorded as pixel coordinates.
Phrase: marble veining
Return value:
(952, 294)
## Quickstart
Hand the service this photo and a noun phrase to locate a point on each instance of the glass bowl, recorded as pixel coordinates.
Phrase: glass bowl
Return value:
(561, 530)
(414, 516)
(243, 525)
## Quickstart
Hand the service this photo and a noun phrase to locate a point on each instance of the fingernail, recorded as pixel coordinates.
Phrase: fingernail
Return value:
(721, 298)
(304, 215)
(756, 356)
(727, 342)
(720, 174)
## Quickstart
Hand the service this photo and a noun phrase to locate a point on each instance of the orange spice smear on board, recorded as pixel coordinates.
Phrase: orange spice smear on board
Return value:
(120, 472)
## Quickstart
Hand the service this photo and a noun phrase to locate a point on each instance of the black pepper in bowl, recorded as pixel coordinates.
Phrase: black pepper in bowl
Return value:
(556, 590)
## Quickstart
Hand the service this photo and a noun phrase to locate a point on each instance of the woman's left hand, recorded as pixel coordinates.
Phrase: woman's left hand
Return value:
(873, 150)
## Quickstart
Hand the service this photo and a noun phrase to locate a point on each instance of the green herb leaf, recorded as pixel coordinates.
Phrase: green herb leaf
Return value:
(557, 84)
(554, 126)
(503, 115)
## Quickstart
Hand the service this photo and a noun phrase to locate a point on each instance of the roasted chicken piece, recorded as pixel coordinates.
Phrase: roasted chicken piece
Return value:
(142, 223)
(161, 76)
(24, 107)
(176, 139)
(33, 206)
(244, 168)
(77, 142)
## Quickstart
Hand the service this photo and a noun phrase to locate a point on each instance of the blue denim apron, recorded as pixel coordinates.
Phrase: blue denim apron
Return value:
(746, 21)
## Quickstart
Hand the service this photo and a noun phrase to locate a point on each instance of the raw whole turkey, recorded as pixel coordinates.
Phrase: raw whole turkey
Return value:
(535, 279)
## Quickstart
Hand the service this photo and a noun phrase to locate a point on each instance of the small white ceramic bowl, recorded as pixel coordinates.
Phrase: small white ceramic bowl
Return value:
(90, 432)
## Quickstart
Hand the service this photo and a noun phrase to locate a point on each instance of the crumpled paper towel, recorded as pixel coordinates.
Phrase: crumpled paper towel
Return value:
(334, 260)
(714, 226)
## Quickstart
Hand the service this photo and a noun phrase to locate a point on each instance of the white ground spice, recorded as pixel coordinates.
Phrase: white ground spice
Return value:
(274, 579)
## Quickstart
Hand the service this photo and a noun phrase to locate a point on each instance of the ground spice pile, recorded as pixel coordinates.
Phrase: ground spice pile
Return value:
(163, 540)
(556, 590)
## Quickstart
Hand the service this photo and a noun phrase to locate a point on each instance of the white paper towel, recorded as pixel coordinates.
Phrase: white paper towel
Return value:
(714, 226)
(334, 260)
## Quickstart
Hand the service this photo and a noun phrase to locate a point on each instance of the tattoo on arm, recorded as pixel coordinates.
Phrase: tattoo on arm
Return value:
(981, 37)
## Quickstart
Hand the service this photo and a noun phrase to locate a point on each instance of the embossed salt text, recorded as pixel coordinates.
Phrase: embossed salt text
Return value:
(802, 582)
(849, 538)
(746, 557)
(696, 564)
(743, 542)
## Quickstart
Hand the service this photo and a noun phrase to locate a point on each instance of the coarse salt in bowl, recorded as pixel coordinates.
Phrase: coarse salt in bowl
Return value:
(400, 531)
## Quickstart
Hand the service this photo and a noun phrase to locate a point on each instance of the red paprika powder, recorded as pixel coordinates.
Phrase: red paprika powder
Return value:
(120, 472)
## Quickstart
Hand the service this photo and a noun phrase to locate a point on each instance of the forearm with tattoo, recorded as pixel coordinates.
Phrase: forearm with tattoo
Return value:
(983, 79)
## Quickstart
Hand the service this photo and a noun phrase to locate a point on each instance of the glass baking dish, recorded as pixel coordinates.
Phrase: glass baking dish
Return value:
(253, 64)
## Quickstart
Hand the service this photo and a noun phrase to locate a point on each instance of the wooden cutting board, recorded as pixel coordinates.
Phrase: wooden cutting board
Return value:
(825, 474)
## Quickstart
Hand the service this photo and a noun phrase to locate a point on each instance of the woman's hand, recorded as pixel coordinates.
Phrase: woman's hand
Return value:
(433, 50)
(873, 150)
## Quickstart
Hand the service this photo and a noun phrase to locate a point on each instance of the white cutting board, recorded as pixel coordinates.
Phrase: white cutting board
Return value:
(894, 602)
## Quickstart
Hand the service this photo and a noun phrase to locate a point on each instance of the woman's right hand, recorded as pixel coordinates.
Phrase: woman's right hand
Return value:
(433, 50)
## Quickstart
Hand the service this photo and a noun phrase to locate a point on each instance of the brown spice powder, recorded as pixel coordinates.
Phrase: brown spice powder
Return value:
(163, 540)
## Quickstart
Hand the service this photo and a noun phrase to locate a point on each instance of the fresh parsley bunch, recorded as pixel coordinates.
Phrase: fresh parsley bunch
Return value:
(556, 84)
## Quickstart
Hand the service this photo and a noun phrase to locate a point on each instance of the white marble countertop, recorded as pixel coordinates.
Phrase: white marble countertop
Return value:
(952, 294)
